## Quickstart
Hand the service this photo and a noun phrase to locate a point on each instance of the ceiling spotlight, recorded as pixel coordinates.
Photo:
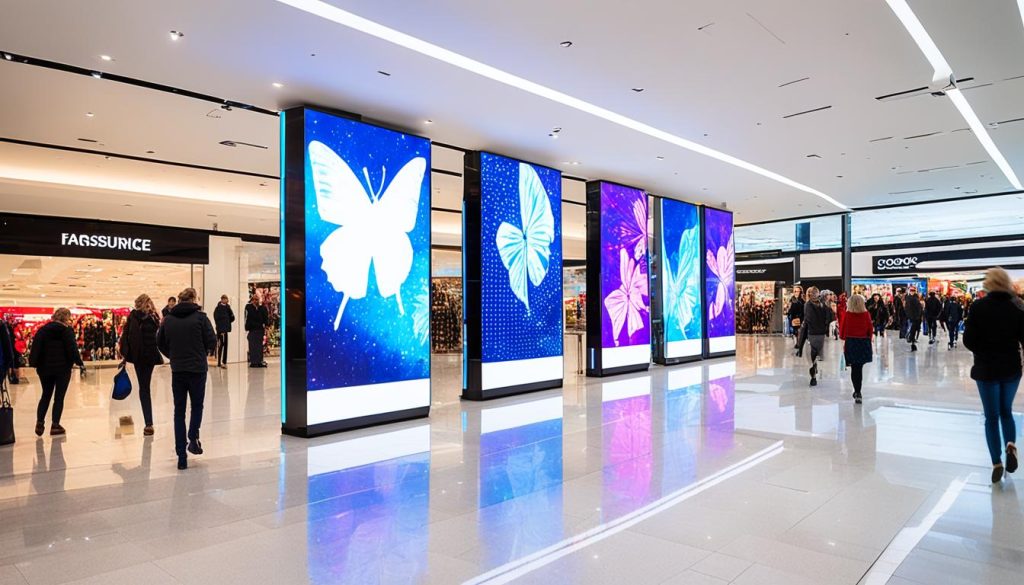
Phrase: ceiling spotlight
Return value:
(428, 121)
(638, 89)
(277, 85)
(97, 75)
(565, 44)
(384, 73)
(175, 35)
(7, 56)
(89, 114)
(660, 158)
(106, 57)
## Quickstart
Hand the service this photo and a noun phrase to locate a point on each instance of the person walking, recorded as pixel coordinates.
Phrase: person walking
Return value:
(995, 334)
(187, 338)
(914, 311)
(899, 313)
(256, 319)
(932, 310)
(171, 301)
(54, 352)
(795, 313)
(817, 317)
(856, 329)
(223, 317)
(139, 348)
(879, 314)
(952, 315)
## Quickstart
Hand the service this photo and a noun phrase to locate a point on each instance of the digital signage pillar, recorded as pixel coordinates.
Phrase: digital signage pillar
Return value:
(355, 205)
(512, 277)
(618, 286)
(677, 274)
(719, 283)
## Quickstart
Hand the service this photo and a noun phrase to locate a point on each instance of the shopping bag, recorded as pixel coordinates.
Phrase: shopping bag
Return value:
(122, 385)
(6, 416)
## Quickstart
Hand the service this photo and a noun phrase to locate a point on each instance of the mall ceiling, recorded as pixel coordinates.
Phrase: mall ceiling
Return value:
(792, 88)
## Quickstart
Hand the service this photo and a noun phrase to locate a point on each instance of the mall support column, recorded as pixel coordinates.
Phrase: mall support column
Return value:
(847, 227)
(221, 278)
(356, 217)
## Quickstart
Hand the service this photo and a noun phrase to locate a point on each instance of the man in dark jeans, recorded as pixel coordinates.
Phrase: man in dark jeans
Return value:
(186, 338)
(256, 319)
(223, 317)
(914, 309)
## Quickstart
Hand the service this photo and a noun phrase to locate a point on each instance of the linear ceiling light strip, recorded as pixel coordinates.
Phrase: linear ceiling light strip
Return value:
(350, 20)
(943, 72)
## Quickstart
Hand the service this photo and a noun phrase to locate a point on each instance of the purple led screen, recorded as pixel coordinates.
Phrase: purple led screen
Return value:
(720, 285)
(626, 301)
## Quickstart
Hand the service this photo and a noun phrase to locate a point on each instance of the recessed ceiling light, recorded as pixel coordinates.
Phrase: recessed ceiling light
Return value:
(660, 157)
(277, 85)
(97, 74)
(150, 152)
(428, 121)
(348, 19)
(638, 89)
(384, 73)
(106, 57)
(7, 56)
(176, 34)
(565, 44)
(89, 114)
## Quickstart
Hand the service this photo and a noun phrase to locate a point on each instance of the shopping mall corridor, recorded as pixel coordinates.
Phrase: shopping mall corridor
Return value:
(727, 471)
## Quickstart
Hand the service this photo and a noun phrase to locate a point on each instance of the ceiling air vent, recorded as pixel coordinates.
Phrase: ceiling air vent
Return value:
(236, 143)
(909, 93)
(807, 112)
(923, 135)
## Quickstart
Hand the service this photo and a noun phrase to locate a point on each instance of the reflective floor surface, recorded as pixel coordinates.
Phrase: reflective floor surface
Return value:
(728, 471)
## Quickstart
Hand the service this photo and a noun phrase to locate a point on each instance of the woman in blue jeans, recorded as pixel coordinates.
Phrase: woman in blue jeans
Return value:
(995, 334)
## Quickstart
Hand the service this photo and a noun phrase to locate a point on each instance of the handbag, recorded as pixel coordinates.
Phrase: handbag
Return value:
(6, 416)
(122, 385)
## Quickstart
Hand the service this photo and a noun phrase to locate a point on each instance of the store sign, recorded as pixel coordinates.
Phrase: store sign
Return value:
(884, 264)
(774, 272)
(49, 236)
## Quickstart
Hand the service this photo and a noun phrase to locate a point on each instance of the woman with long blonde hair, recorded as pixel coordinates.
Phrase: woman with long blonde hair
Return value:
(856, 328)
(995, 333)
(138, 347)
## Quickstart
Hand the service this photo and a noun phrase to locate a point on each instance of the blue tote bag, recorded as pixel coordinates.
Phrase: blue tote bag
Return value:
(122, 385)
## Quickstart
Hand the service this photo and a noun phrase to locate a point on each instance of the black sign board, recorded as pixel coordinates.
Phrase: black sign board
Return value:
(50, 236)
(768, 272)
(909, 262)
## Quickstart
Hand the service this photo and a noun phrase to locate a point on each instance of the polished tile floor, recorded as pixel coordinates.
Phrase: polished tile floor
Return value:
(727, 471)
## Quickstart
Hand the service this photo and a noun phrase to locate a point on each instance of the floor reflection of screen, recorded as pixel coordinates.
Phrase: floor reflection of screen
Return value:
(720, 411)
(368, 509)
(681, 439)
(520, 481)
(627, 455)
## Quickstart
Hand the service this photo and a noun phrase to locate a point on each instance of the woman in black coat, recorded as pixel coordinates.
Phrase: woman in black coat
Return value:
(995, 334)
(138, 347)
(54, 353)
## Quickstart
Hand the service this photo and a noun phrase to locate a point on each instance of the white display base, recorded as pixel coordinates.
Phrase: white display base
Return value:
(722, 370)
(324, 406)
(366, 450)
(517, 372)
(721, 344)
(685, 348)
(520, 415)
(629, 388)
(685, 377)
(631, 355)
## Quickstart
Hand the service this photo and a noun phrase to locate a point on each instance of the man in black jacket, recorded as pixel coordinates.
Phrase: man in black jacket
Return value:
(932, 310)
(186, 338)
(256, 319)
(171, 301)
(223, 317)
(914, 311)
(952, 314)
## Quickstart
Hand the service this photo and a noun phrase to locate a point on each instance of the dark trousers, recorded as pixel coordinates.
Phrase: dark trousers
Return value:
(953, 327)
(879, 329)
(222, 348)
(145, 375)
(857, 376)
(55, 387)
(933, 328)
(255, 347)
(915, 330)
(997, 402)
(187, 387)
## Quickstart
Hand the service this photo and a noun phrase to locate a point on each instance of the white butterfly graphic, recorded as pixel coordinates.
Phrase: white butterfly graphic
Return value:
(374, 227)
(721, 266)
(526, 252)
(625, 303)
(683, 282)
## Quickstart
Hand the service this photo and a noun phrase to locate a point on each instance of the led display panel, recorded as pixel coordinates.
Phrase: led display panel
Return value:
(618, 286)
(512, 255)
(356, 214)
(678, 275)
(719, 282)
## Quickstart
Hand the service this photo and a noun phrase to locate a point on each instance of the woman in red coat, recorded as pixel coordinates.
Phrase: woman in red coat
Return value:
(856, 329)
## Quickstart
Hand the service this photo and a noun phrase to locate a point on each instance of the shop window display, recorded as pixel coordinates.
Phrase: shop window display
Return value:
(270, 293)
(574, 299)
(97, 330)
(446, 314)
(756, 307)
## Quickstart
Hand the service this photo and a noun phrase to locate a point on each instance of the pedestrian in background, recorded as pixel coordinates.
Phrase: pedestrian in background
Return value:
(817, 317)
(856, 328)
(139, 348)
(171, 301)
(995, 334)
(187, 338)
(256, 319)
(915, 312)
(54, 352)
(223, 317)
